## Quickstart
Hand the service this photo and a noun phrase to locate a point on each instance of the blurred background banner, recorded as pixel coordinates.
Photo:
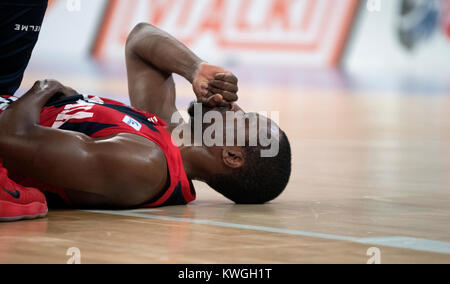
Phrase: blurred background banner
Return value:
(70, 30)
(408, 37)
(373, 37)
(287, 32)
(282, 32)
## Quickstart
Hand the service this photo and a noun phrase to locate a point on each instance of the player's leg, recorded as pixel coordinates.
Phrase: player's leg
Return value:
(18, 202)
(20, 24)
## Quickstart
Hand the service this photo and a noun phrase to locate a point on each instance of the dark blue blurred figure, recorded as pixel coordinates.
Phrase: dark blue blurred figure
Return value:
(20, 23)
(419, 20)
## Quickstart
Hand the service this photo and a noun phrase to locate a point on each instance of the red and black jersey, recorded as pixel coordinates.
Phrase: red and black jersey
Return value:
(99, 118)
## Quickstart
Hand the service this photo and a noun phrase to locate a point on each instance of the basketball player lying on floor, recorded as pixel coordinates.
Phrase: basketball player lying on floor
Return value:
(93, 152)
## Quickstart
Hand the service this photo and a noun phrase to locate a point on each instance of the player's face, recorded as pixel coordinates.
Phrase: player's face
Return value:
(244, 127)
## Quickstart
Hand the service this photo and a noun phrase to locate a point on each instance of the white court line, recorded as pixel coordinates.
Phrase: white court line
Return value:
(395, 242)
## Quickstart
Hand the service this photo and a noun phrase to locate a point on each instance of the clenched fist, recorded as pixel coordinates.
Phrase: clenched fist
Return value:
(215, 86)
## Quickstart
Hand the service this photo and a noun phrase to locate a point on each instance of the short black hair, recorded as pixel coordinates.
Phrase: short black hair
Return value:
(260, 179)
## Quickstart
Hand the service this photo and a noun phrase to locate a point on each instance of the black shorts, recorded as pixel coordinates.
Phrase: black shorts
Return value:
(20, 23)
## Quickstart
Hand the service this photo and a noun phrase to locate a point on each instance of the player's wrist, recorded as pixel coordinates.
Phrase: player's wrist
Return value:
(195, 71)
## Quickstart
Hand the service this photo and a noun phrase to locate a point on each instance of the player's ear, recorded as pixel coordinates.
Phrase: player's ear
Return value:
(233, 157)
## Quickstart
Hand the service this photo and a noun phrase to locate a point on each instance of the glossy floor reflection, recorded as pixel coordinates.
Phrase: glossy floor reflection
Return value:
(367, 167)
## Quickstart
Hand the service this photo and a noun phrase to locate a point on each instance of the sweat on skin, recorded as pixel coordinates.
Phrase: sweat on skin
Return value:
(208, 130)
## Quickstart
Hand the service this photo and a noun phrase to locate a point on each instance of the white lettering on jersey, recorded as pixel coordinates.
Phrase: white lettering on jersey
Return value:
(153, 119)
(95, 99)
(132, 122)
(5, 103)
(74, 111)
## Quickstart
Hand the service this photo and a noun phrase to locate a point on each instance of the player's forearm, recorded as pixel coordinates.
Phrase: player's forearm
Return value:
(25, 112)
(21, 119)
(160, 49)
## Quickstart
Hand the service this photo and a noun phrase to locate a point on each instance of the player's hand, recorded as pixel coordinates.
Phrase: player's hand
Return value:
(53, 87)
(47, 86)
(215, 86)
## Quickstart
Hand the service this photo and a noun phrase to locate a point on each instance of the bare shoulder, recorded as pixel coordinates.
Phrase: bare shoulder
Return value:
(135, 164)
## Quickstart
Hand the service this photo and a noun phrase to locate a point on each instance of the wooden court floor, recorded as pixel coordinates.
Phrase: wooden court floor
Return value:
(369, 170)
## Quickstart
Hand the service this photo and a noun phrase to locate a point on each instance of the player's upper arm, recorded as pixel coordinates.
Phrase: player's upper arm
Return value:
(150, 88)
(125, 170)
